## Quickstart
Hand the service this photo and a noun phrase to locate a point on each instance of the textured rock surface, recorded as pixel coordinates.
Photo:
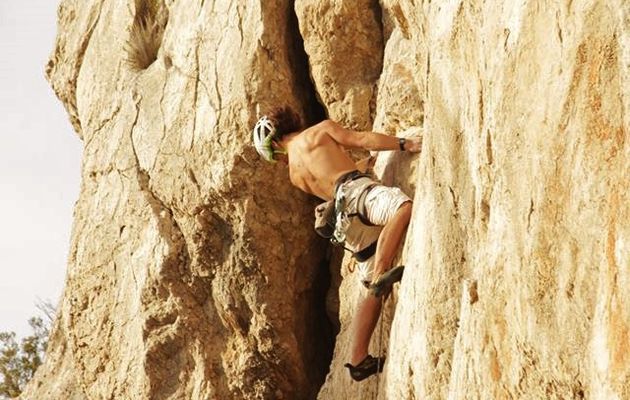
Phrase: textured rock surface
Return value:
(344, 43)
(193, 264)
(193, 272)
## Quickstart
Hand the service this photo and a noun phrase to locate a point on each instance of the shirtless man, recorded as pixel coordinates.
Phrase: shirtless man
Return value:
(319, 165)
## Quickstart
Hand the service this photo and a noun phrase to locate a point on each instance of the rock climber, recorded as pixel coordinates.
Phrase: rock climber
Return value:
(369, 217)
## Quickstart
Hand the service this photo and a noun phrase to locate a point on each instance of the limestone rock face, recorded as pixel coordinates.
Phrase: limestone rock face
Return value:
(193, 266)
(344, 43)
(194, 273)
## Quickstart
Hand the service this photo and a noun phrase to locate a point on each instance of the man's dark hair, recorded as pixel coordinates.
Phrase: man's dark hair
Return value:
(285, 120)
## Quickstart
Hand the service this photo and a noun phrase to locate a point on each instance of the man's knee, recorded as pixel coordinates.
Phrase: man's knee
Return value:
(405, 209)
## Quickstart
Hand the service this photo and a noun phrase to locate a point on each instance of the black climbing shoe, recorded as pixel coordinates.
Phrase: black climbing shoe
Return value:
(366, 368)
(384, 282)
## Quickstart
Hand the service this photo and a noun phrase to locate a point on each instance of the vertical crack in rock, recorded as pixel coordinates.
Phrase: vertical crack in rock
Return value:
(378, 13)
(159, 207)
(314, 110)
(319, 356)
(195, 94)
(344, 41)
(163, 335)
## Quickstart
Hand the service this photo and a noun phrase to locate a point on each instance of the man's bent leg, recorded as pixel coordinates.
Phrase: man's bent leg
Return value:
(390, 237)
(370, 307)
(363, 326)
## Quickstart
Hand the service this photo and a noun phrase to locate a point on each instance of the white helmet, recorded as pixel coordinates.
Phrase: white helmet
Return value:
(264, 132)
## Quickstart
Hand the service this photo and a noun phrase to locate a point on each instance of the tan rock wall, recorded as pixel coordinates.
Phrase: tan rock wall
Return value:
(518, 243)
(193, 264)
(344, 43)
(193, 271)
(530, 146)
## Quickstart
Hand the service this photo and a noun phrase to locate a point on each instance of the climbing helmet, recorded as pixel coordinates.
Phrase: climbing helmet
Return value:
(264, 133)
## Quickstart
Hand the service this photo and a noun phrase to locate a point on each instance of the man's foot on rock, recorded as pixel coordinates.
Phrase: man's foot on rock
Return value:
(384, 282)
(366, 368)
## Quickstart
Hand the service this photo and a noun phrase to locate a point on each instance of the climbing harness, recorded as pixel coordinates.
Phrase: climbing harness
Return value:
(341, 220)
(332, 220)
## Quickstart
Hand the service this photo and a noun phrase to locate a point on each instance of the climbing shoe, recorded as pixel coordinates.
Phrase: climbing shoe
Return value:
(384, 282)
(366, 368)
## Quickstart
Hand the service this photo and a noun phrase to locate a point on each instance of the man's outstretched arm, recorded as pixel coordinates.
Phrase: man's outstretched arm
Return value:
(371, 141)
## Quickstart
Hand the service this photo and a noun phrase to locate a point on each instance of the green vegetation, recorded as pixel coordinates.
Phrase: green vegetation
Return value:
(19, 361)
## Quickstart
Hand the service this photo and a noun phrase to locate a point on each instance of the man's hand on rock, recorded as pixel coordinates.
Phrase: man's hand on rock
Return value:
(413, 145)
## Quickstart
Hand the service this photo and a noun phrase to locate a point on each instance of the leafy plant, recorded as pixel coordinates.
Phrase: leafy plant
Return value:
(19, 361)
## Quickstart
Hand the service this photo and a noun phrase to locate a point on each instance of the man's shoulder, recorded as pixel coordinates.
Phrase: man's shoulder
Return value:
(322, 126)
(322, 130)
(316, 133)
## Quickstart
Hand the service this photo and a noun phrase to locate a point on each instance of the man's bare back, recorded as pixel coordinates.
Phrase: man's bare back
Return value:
(317, 155)
(316, 161)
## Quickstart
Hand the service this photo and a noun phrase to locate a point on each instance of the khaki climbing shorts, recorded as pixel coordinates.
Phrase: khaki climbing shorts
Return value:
(381, 203)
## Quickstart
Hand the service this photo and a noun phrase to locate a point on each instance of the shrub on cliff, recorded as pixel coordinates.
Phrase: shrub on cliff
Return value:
(18, 362)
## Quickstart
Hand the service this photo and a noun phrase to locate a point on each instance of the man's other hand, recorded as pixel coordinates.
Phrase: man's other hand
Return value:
(366, 164)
